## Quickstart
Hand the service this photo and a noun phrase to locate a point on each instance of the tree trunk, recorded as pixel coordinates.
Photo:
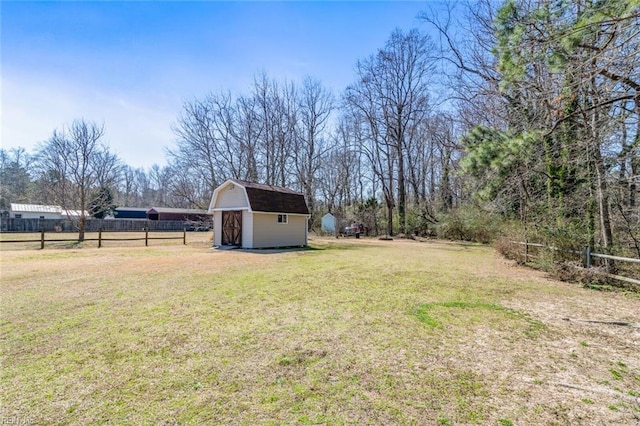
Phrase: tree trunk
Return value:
(402, 220)
(81, 227)
(445, 189)
(603, 205)
(635, 159)
(602, 196)
(389, 218)
(310, 203)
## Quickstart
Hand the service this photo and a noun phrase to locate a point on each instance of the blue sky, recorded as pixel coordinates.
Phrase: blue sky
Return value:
(132, 65)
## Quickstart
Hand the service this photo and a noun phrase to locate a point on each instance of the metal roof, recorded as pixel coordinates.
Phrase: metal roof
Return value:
(132, 209)
(35, 208)
(76, 213)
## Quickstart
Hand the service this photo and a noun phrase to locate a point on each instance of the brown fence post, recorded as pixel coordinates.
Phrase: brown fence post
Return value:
(184, 236)
(41, 238)
(146, 237)
(526, 251)
(99, 237)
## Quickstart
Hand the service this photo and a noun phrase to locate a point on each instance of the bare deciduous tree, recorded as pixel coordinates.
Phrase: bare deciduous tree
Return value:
(73, 163)
(391, 96)
(315, 105)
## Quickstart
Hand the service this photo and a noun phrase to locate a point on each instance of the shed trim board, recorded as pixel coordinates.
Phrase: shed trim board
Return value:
(288, 214)
(229, 209)
(259, 228)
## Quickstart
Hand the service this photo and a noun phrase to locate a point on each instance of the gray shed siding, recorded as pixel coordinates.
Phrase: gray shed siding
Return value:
(247, 227)
(267, 232)
(217, 228)
(232, 199)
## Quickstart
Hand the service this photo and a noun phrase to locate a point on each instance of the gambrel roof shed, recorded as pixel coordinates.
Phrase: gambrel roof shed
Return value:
(266, 198)
(254, 215)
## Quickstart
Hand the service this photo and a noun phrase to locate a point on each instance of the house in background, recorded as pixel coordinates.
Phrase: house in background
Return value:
(162, 213)
(39, 211)
(252, 215)
(34, 211)
(75, 214)
(130, 213)
(167, 213)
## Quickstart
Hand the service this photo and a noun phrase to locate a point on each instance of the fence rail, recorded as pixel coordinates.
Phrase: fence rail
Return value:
(587, 255)
(42, 240)
(621, 259)
(91, 225)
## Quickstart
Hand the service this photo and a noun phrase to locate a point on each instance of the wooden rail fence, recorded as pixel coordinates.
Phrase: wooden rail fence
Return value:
(42, 240)
(587, 256)
(93, 225)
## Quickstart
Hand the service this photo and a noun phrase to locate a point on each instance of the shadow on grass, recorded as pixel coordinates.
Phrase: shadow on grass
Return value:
(276, 250)
(456, 245)
(310, 248)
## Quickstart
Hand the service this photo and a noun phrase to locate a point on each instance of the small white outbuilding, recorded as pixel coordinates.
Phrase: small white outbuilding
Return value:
(39, 211)
(34, 211)
(328, 223)
(252, 215)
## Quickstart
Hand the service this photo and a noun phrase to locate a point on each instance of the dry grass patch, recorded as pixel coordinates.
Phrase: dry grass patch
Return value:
(348, 331)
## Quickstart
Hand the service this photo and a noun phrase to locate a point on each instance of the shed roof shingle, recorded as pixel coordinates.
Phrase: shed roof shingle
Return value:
(273, 199)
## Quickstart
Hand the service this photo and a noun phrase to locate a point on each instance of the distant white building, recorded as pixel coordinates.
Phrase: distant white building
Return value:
(74, 214)
(34, 211)
(329, 223)
(39, 211)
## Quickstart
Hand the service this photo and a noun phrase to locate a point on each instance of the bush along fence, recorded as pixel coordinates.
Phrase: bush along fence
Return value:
(587, 256)
(42, 240)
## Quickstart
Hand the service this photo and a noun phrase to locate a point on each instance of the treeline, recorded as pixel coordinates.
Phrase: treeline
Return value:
(521, 117)
(550, 91)
(380, 152)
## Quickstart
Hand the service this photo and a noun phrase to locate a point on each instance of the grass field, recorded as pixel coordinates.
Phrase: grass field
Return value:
(347, 331)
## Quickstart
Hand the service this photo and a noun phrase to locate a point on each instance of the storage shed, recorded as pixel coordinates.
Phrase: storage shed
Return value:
(329, 223)
(252, 215)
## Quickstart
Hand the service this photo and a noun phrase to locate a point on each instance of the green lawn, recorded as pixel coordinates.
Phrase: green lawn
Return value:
(347, 331)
